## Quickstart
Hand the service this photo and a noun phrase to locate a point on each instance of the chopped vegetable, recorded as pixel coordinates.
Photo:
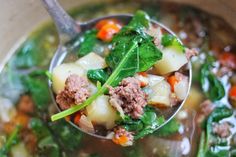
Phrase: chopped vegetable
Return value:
(210, 84)
(107, 31)
(12, 140)
(88, 43)
(102, 23)
(98, 75)
(170, 128)
(169, 40)
(228, 59)
(232, 91)
(172, 80)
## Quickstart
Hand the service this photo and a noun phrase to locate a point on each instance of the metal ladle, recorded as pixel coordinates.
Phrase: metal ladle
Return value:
(68, 29)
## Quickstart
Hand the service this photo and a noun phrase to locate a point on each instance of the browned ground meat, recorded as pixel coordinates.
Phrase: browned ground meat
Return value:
(222, 130)
(129, 96)
(190, 53)
(75, 92)
(206, 107)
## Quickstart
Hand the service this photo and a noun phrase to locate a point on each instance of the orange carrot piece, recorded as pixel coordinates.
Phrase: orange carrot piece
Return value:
(144, 74)
(232, 91)
(228, 59)
(172, 80)
(107, 31)
(121, 140)
(102, 23)
(77, 118)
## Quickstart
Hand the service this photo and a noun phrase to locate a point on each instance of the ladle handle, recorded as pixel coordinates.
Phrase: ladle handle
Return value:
(66, 26)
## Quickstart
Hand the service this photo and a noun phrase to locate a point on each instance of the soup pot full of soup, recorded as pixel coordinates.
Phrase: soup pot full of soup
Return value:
(204, 127)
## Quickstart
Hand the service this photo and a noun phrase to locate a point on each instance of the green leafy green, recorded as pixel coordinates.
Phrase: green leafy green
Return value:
(46, 144)
(38, 90)
(88, 43)
(69, 137)
(98, 75)
(210, 84)
(169, 40)
(126, 59)
(12, 140)
(147, 124)
(170, 128)
(209, 148)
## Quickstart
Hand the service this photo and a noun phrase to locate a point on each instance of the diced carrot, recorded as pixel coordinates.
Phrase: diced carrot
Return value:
(172, 80)
(232, 91)
(21, 119)
(77, 118)
(228, 59)
(144, 74)
(107, 31)
(143, 84)
(102, 23)
(121, 140)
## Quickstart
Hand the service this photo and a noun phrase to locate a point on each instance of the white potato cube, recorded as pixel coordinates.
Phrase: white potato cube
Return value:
(171, 61)
(160, 94)
(181, 89)
(62, 72)
(101, 112)
(19, 150)
(92, 61)
(154, 79)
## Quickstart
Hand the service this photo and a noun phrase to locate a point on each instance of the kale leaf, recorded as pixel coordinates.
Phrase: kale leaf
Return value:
(170, 128)
(88, 43)
(69, 137)
(213, 88)
(46, 143)
(207, 148)
(169, 40)
(12, 140)
(98, 75)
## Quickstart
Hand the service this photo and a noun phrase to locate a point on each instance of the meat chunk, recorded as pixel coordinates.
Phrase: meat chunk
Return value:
(206, 107)
(190, 53)
(222, 130)
(75, 92)
(123, 137)
(129, 96)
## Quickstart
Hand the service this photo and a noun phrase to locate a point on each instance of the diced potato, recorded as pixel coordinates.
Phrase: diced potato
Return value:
(159, 95)
(149, 80)
(61, 72)
(7, 110)
(101, 112)
(19, 150)
(181, 89)
(154, 79)
(92, 61)
(171, 61)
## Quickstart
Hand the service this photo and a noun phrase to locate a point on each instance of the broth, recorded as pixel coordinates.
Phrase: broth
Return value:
(24, 70)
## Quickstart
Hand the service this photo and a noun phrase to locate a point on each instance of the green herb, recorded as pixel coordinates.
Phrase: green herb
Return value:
(147, 124)
(98, 75)
(126, 59)
(210, 84)
(46, 144)
(12, 140)
(207, 148)
(38, 90)
(69, 137)
(88, 43)
(169, 40)
(170, 128)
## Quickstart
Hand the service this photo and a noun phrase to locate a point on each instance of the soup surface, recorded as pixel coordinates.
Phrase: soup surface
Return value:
(204, 127)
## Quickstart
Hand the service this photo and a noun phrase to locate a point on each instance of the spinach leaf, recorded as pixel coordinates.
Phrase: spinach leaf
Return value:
(12, 140)
(207, 146)
(125, 60)
(170, 128)
(210, 84)
(98, 75)
(169, 40)
(38, 90)
(88, 43)
(69, 137)
(46, 144)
